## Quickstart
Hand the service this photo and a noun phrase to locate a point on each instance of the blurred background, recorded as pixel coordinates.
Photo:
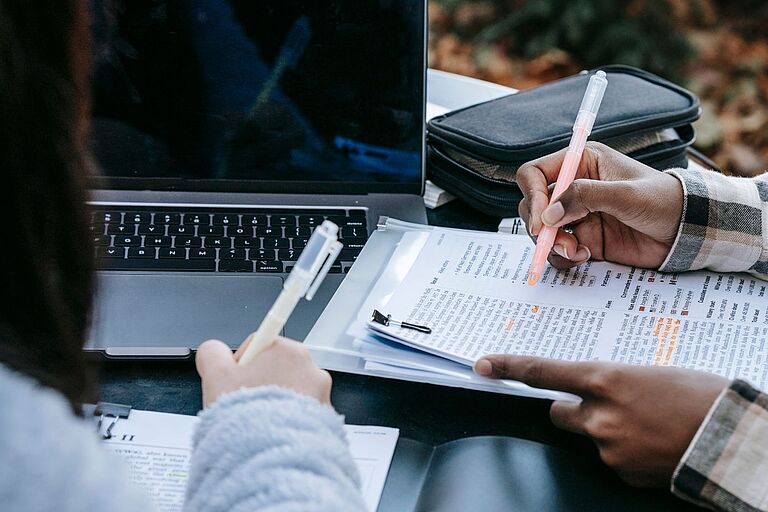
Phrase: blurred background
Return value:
(716, 48)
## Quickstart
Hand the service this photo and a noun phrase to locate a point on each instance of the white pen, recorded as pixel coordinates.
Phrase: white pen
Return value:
(305, 278)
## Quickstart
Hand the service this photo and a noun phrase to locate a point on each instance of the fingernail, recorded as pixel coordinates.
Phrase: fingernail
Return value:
(582, 253)
(484, 368)
(561, 251)
(553, 213)
(530, 226)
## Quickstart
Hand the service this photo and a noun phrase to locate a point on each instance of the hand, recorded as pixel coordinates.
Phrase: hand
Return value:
(620, 210)
(642, 419)
(286, 363)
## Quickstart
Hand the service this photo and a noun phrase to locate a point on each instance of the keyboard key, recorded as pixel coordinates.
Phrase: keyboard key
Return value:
(339, 220)
(349, 254)
(353, 232)
(354, 243)
(188, 241)
(106, 217)
(198, 265)
(102, 240)
(356, 213)
(202, 253)
(282, 220)
(141, 252)
(276, 243)
(356, 222)
(213, 241)
(300, 243)
(137, 217)
(151, 229)
(241, 242)
(121, 229)
(254, 220)
(265, 231)
(210, 231)
(225, 219)
(288, 254)
(232, 254)
(196, 219)
(168, 218)
(348, 221)
(261, 254)
(110, 252)
(99, 229)
(165, 252)
(157, 241)
(235, 266)
(127, 240)
(335, 269)
(181, 230)
(311, 220)
(239, 231)
(268, 266)
(303, 231)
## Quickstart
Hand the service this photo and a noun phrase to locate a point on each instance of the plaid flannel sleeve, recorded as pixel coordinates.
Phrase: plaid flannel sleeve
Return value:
(724, 226)
(726, 464)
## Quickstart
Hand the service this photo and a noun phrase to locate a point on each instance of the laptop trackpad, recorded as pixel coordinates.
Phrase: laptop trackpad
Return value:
(151, 310)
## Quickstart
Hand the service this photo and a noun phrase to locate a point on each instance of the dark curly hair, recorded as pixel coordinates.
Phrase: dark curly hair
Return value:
(46, 257)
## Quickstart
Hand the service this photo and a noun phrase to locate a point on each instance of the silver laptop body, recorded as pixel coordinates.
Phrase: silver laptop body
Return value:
(223, 132)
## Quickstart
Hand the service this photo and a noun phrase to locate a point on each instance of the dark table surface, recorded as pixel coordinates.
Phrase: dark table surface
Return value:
(423, 412)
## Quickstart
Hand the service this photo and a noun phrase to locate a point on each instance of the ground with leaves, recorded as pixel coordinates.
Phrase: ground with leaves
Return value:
(718, 49)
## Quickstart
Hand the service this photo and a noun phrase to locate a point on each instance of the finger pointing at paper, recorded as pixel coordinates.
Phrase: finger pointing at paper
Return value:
(642, 419)
(619, 209)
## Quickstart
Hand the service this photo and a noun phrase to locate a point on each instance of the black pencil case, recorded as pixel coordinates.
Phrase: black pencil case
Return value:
(475, 152)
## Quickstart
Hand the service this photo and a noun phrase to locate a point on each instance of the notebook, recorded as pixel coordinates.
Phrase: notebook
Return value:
(157, 447)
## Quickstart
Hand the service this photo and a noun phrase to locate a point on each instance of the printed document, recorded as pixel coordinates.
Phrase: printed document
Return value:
(470, 289)
(157, 447)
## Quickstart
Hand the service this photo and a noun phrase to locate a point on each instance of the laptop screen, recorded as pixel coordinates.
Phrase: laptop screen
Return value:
(259, 95)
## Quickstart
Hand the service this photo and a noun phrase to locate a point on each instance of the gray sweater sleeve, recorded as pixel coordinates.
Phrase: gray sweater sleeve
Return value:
(266, 450)
(50, 460)
(271, 449)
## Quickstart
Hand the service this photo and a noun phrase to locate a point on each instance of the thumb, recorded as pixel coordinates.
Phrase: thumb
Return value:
(213, 356)
(585, 196)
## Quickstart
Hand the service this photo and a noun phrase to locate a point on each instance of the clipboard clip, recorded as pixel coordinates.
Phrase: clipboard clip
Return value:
(108, 410)
(386, 320)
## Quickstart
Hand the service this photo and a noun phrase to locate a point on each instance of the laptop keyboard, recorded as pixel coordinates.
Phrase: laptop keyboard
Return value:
(217, 240)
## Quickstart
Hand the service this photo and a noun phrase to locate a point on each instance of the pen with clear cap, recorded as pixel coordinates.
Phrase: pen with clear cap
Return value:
(585, 120)
(305, 278)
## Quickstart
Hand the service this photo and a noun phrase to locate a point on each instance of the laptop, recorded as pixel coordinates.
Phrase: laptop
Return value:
(224, 132)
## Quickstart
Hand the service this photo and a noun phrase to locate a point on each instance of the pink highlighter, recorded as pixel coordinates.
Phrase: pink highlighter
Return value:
(585, 120)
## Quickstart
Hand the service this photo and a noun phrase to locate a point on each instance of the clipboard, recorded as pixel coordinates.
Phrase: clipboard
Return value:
(334, 341)
(148, 440)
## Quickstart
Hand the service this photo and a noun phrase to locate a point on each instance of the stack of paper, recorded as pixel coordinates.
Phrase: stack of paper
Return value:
(435, 196)
(157, 446)
(470, 289)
